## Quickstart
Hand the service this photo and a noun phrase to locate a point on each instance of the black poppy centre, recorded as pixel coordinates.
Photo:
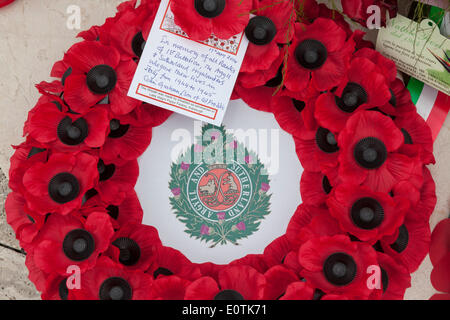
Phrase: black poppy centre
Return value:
(101, 79)
(326, 185)
(340, 269)
(130, 252)
(311, 54)
(105, 171)
(229, 295)
(63, 188)
(115, 288)
(367, 213)
(210, 8)
(260, 30)
(162, 272)
(63, 290)
(370, 153)
(401, 243)
(326, 141)
(118, 130)
(138, 44)
(352, 97)
(78, 245)
(72, 133)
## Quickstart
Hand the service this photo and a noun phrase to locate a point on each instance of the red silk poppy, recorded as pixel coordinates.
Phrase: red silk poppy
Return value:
(291, 262)
(96, 73)
(301, 218)
(59, 184)
(369, 152)
(35, 274)
(256, 261)
(50, 89)
(386, 66)
(200, 19)
(276, 251)
(440, 277)
(168, 261)
(128, 211)
(410, 244)
(298, 291)
(209, 269)
(25, 223)
(395, 279)
(363, 87)
(322, 224)
(126, 140)
(416, 132)
(278, 278)
(109, 281)
(440, 241)
(169, 288)
(72, 242)
(317, 149)
(258, 88)
(366, 214)
(294, 112)
(315, 188)
(26, 155)
(278, 18)
(116, 179)
(308, 10)
(56, 288)
(149, 115)
(424, 207)
(319, 51)
(235, 283)
(134, 246)
(337, 265)
(129, 32)
(289, 113)
(54, 126)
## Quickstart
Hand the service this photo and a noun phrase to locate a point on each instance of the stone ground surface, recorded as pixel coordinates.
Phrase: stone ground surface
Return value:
(33, 35)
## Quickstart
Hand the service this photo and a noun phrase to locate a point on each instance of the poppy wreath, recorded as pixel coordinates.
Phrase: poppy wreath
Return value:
(367, 194)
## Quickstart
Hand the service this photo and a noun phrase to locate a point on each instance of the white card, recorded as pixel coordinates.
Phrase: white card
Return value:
(189, 77)
(257, 131)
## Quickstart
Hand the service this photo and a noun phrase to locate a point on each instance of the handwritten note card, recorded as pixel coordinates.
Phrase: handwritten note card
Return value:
(192, 78)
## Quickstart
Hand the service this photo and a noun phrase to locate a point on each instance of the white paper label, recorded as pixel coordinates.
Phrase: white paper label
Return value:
(189, 77)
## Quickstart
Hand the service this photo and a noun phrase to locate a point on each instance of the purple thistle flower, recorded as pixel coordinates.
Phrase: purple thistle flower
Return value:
(185, 166)
(204, 230)
(221, 215)
(265, 187)
(241, 226)
(176, 191)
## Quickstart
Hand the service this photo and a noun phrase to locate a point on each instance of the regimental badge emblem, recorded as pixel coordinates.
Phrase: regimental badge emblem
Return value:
(220, 189)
